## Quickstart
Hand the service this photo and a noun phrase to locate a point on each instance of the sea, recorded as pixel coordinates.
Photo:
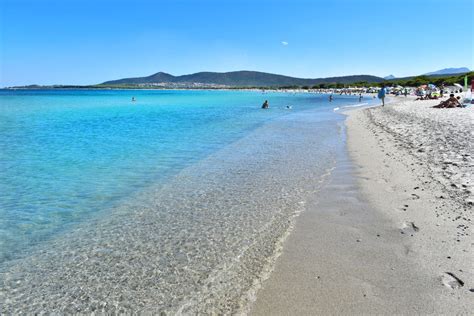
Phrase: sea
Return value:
(177, 202)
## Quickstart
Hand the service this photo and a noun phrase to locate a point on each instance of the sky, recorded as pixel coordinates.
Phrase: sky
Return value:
(88, 42)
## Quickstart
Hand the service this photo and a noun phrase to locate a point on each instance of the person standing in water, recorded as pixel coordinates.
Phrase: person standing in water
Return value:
(360, 97)
(265, 105)
(330, 98)
(381, 95)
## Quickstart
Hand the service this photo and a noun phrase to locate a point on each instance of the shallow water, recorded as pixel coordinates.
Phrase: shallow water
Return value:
(173, 203)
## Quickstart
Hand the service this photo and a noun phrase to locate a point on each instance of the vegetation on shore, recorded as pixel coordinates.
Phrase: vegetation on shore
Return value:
(438, 80)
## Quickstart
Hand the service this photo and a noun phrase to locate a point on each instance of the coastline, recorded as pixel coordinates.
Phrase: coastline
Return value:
(354, 246)
(197, 244)
(394, 239)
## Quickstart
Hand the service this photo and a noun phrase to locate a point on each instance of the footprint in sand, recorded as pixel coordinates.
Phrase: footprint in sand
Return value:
(409, 228)
(451, 281)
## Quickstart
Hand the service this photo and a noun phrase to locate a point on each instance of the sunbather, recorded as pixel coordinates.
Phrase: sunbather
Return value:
(452, 102)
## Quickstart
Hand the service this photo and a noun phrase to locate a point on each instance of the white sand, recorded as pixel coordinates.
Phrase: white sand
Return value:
(399, 240)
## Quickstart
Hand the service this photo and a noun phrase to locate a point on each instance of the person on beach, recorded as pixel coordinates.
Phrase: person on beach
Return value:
(452, 102)
(405, 92)
(381, 95)
(360, 97)
(265, 105)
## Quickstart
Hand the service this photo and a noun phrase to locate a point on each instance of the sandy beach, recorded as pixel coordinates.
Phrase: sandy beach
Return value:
(396, 235)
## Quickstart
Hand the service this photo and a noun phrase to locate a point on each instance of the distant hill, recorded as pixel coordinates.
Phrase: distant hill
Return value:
(448, 71)
(389, 77)
(155, 78)
(240, 79)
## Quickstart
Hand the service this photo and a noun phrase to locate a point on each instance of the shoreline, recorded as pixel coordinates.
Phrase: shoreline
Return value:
(372, 237)
(383, 242)
(198, 244)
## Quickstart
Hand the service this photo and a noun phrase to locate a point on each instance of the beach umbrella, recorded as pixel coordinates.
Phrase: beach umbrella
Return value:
(458, 85)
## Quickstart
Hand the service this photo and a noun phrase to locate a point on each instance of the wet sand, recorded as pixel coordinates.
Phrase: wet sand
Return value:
(389, 233)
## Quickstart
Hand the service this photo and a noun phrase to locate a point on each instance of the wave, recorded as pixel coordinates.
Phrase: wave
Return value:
(354, 105)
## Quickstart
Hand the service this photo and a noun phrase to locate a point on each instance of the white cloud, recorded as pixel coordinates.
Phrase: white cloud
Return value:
(284, 43)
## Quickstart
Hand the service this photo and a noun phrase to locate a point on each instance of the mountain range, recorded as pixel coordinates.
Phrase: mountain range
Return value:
(441, 72)
(239, 79)
(448, 71)
(256, 79)
(236, 79)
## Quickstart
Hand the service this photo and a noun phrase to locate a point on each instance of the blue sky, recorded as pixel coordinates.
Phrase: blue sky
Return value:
(87, 42)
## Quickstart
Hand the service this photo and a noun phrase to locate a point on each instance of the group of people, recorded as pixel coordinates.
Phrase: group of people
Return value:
(427, 97)
(451, 102)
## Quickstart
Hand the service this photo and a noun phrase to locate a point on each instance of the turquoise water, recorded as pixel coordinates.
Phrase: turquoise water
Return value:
(82, 169)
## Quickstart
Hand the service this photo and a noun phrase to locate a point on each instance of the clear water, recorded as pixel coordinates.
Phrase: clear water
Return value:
(203, 182)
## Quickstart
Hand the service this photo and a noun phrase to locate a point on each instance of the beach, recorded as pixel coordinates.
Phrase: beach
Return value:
(206, 194)
(278, 212)
(397, 238)
(236, 158)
